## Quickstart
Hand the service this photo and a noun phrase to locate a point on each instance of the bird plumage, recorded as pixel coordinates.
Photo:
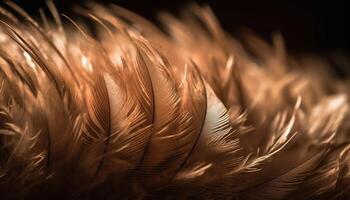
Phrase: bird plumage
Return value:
(135, 112)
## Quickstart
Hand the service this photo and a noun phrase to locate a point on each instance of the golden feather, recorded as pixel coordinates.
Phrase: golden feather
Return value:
(134, 112)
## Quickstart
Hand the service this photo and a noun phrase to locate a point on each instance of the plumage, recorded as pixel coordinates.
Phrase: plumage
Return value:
(184, 112)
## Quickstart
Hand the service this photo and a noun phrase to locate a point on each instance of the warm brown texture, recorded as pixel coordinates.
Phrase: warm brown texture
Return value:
(134, 113)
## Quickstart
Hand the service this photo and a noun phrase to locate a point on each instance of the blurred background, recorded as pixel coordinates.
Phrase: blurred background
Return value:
(307, 25)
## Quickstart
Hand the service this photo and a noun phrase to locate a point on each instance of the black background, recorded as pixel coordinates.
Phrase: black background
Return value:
(307, 25)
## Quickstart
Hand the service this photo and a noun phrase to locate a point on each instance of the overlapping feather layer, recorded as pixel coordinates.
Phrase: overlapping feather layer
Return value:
(132, 112)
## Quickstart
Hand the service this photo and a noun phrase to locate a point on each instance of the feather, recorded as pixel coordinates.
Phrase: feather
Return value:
(132, 112)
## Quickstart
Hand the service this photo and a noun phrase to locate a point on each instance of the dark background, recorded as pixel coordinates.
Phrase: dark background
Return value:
(307, 25)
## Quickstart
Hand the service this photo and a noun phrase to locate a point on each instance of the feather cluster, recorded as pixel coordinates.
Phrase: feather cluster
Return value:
(130, 111)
